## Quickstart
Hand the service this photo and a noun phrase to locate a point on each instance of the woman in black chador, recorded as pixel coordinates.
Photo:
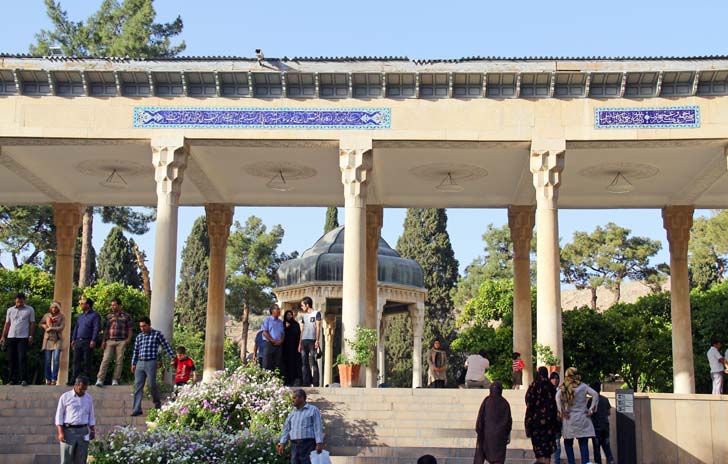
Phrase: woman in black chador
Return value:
(291, 356)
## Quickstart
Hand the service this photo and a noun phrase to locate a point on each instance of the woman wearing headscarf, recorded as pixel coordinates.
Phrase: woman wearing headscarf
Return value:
(52, 324)
(493, 427)
(437, 366)
(291, 356)
(571, 401)
(541, 421)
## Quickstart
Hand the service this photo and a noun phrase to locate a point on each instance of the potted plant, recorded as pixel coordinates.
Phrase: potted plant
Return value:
(547, 356)
(361, 353)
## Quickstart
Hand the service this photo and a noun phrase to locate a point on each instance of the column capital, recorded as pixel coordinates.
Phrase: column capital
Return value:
(355, 165)
(66, 219)
(169, 157)
(521, 220)
(329, 326)
(219, 217)
(546, 166)
(417, 315)
(677, 221)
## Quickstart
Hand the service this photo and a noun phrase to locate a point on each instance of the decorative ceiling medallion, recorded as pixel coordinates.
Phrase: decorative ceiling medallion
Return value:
(104, 167)
(458, 172)
(291, 171)
(627, 169)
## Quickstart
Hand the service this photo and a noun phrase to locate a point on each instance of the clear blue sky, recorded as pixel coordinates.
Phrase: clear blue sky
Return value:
(418, 30)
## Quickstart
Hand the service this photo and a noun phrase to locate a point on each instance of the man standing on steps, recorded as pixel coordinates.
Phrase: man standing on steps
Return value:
(309, 344)
(18, 333)
(117, 335)
(75, 422)
(303, 427)
(83, 339)
(144, 363)
(273, 331)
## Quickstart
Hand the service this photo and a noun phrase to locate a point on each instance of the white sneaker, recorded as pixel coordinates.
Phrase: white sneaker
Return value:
(99, 383)
(114, 383)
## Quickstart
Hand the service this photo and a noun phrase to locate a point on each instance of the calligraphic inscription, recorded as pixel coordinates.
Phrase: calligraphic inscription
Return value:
(671, 117)
(261, 118)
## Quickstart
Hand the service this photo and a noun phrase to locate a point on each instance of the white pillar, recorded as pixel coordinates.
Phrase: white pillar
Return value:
(546, 167)
(329, 327)
(169, 156)
(520, 222)
(374, 214)
(355, 164)
(319, 304)
(678, 220)
(381, 330)
(219, 218)
(417, 315)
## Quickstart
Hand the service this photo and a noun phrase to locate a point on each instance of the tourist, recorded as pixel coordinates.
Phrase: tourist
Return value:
(75, 422)
(273, 331)
(717, 366)
(117, 335)
(259, 348)
(541, 420)
(437, 366)
(83, 339)
(52, 324)
(18, 334)
(309, 344)
(571, 399)
(555, 381)
(477, 364)
(304, 429)
(493, 427)
(600, 419)
(144, 363)
(184, 368)
(427, 459)
(291, 355)
(517, 366)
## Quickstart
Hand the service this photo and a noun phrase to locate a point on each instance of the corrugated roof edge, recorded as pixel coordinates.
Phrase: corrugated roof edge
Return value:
(376, 58)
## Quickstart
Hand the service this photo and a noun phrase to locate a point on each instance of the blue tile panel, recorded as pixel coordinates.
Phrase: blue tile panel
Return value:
(261, 118)
(670, 117)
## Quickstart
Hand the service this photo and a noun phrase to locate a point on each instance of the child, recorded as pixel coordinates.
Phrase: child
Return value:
(185, 367)
(517, 371)
(600, 419)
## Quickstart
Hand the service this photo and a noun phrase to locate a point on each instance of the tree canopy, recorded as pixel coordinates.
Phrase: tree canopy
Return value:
(193, 278)
(332, 219)
(117, 262)
(708, 250)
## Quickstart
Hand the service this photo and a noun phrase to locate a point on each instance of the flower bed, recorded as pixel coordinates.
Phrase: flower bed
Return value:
(235, 417)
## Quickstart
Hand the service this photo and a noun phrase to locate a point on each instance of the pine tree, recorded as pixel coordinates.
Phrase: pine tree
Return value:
(117, 262)
(332, 219)
(193, 278)
(425, 239)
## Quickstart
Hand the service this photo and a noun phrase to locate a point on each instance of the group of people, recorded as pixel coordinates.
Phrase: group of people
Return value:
(291, 345)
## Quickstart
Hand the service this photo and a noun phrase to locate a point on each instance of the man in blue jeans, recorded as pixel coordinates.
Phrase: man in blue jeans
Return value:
(144, 363)
(308, 345)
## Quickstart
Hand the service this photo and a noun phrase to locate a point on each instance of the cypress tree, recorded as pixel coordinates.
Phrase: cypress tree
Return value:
(332, 219)
(425, 239)
(116, 262)
(193, 278)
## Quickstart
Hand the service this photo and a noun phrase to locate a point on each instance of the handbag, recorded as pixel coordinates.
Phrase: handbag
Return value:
(322, 458)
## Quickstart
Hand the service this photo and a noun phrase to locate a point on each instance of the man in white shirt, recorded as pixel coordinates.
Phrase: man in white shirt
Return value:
(75, 423)
(477, 364)
(717, 366)
(18, 333)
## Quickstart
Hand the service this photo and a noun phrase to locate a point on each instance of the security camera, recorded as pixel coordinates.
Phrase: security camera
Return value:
(259, 55)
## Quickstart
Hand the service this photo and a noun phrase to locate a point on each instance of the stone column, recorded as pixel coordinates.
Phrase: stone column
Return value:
(355, 164)
(169, 156)
(374, 214)
(329, 327)
(520, 221)
(546, 167)
(219, 218)
(417, 314)
(319, 304)
(66, 218)
(381, 353)
(678, 220)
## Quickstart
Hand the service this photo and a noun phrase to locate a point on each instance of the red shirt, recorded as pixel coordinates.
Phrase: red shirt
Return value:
(185, 367)
(518, 365)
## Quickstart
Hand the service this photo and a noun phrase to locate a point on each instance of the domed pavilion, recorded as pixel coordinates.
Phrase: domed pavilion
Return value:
(318, 273)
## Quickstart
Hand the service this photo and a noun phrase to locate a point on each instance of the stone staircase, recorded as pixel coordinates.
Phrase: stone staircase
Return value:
(27, 433)
(392, 425)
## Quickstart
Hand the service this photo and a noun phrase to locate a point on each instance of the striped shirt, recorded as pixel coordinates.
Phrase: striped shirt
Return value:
(518, 365)
(146, 346)
(75, 410)
(117, 326)
(303, 423)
